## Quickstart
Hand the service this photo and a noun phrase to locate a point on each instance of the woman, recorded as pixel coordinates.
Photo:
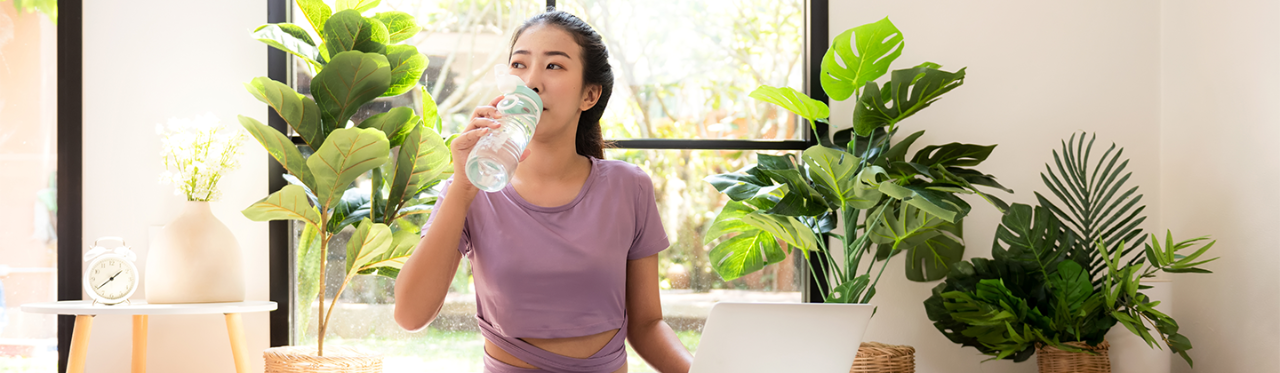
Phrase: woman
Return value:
(565, 257)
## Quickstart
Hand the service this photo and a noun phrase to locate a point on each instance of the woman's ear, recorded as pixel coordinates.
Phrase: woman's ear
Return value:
(590, 96)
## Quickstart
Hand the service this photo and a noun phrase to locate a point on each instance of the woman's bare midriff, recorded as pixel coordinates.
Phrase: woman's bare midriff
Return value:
(574, 347)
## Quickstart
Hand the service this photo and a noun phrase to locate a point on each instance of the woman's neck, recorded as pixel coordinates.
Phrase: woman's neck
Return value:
(553, 161)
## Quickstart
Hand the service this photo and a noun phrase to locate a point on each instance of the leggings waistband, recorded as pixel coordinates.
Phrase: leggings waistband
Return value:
(610, 358)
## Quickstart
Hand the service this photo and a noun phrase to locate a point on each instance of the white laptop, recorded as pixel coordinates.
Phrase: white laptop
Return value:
(781, 337)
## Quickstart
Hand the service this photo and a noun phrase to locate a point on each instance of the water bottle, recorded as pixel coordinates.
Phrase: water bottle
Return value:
(494, 159)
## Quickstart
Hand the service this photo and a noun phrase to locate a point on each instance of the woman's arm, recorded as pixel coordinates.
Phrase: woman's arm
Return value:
(648, 333)
(424, 279)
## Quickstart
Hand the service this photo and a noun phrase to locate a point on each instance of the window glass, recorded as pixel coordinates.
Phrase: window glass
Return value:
(28, 196)
(684, 69)
(669, 85)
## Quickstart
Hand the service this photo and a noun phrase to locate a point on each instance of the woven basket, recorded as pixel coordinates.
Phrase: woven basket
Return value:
(301, 359)
(1052, 360)
(875, 357)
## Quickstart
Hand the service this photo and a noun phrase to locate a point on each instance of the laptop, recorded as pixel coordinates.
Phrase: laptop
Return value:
(781, 337)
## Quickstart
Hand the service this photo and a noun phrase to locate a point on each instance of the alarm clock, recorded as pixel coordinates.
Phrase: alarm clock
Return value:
(110, 278)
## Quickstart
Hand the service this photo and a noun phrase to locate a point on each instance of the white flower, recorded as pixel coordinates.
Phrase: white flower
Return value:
(196, 153)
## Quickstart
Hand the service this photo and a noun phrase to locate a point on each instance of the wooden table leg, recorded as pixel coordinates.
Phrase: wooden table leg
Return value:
(235, 328)
(139, 344)
(79, 343)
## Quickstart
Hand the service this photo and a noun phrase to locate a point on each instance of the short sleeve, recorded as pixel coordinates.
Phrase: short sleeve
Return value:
(650, 238)
(464, 244)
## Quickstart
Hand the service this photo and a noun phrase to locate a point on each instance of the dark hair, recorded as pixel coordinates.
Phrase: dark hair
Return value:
(595, 70)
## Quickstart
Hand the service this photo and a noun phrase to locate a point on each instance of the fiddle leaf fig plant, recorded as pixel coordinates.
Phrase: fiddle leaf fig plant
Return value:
(889, 204)
(355, 59)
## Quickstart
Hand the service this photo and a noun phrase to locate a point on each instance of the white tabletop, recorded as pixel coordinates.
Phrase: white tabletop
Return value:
(86, 307)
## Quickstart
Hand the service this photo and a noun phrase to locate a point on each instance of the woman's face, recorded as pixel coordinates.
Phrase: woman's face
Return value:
(550, 62)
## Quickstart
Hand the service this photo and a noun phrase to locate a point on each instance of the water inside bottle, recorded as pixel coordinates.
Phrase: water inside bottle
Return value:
(494, 160)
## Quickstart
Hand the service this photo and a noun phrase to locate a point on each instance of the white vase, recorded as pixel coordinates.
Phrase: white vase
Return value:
(195, 259)
(1129, 353)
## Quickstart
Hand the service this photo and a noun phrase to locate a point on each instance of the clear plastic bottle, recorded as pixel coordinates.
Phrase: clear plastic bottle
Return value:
(494, 159)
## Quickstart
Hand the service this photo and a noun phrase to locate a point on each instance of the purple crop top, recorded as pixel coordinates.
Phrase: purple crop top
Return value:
(557, 272)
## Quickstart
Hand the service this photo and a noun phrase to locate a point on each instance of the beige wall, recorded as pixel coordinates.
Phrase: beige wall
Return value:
(145, 62)
(1220, 120)
(1037, 72)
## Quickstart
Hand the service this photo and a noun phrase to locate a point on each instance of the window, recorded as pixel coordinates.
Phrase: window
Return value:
(28, 155)
(680, 110)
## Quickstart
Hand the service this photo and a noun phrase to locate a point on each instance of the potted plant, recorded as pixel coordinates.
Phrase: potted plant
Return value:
(356, 61)
(890, 204)
(196, 248)
(1060, 278)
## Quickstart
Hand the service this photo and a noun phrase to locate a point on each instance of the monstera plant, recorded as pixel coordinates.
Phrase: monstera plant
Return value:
(890, 203)
(355, 62)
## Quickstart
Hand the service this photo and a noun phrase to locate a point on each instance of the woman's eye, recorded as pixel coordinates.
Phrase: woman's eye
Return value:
(517, 65)
(553, 66)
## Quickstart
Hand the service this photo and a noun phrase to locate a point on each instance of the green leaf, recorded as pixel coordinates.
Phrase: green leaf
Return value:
(745, 253)
(898, 152)
(407, 65)
(395, 123)
(422, 159)
(430, 114)
(401, 25)
(388, 264)
(739, 185)
(291, 39)
(953, 155)
(358, 5)
(300, 112)
(833, 175)
(349, 81)
(859, 55)
(786, 228)
(347, 154)
(930, 257)
(793, 101)
(368, 242)
(316, 12)
(943, 205)
(910, 90)
(280, 148)
(850, 291)
(729, 220)
(1090, 202)
(289, 203)
(353, 200)
(348, 31)
(1071, 286)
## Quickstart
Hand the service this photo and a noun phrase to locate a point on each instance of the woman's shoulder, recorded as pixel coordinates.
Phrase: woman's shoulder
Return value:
(622, 172)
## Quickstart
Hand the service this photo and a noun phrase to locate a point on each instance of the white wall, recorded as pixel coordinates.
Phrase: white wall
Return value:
(1037, 72)
(145, 62)
(1220, 121)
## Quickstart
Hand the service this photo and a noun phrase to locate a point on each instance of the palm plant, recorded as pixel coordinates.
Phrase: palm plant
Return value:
(356, 62)
(1057, 276)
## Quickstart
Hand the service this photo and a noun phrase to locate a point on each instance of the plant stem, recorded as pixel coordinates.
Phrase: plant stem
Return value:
(324, 256)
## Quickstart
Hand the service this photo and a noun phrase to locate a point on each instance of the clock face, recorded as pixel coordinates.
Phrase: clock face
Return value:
(112, 279)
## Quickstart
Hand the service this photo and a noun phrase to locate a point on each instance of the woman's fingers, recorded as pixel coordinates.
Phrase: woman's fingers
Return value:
(488, 111)
(468, 139)
(525, 155)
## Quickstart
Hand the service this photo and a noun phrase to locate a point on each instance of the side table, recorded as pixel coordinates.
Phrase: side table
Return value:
(85, 311)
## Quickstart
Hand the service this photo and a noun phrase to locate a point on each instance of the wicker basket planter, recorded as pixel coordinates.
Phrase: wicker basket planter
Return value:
(875, 357)
(300, 359)
(1052, 360)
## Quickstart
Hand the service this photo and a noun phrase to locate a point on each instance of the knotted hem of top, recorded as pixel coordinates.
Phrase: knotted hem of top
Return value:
(610, 358)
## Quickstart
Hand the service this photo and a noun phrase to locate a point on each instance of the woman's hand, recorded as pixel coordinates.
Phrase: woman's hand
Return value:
(484, 119)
